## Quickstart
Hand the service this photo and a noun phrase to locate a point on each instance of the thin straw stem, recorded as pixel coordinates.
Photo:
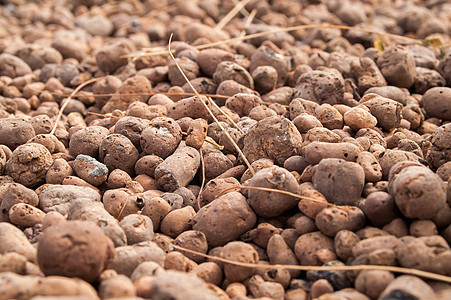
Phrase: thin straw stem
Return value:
(278, 30)
(209, 110)
(410, 271)
(60, 113)
(231, 14)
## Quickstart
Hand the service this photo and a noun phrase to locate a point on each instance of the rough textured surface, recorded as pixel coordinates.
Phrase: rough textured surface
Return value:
(117, 151)
(418, 192)
(14, 193)
(80, 209)
(320, 87)
(439, 152)
(59, 197)
(398, 66)
(274, 137)
(15, 132)
(349, 128)
(90, 170)
(178, 169)
(29, 164)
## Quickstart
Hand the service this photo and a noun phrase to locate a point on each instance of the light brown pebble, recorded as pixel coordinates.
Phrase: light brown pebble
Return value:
(439, 151)
(161, 137)
(317, 151)
(53, 252)
(29, 163)
(320, 86)
(358, 118)
(333, 219)
(177, 261)
(370, 165)
(15, 132)
(259, 288)
(197, 132)
(118, 152)
(178, 221)
(156, 209)
(118, 179)
(209, 272)
(239, 251)
(127, 258)
(386, 111)
(422, 228)
(265, 78)
(309, 245)
(329, 116)
(59, 170)
(329, 171)
(137, 228)
(398, 66)
(178, 169)
(87, 141)
(411, 202)
(320, 287)
(408, 286)
(117, 287)
(193, 240)
(147, 164)
(25, 215)
(225, 219)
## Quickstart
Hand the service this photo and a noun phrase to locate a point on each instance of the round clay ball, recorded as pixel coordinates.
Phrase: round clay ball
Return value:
(15, 132)
(437, 102)
(132, 128)
(239, 251)
(29, 164)
(87, 141)
(267, 204)
(440, 150)
(418, 192)
(25, 215)
(137, 228)
(118, 152)
(74, 249)
(161, 137)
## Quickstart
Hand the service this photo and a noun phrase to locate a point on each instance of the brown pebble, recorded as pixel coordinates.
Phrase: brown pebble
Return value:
(60, 240)
(25, 215)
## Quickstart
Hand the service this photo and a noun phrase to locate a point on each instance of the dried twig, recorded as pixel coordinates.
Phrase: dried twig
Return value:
(326, 204)
(212, 141)
(138, 94)
(226, 115)
(231, 14)
(410, 271)
(248, 22)
(287, 29)
(243, 10)
(203, 178)
(209, 111)
(60, 113)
